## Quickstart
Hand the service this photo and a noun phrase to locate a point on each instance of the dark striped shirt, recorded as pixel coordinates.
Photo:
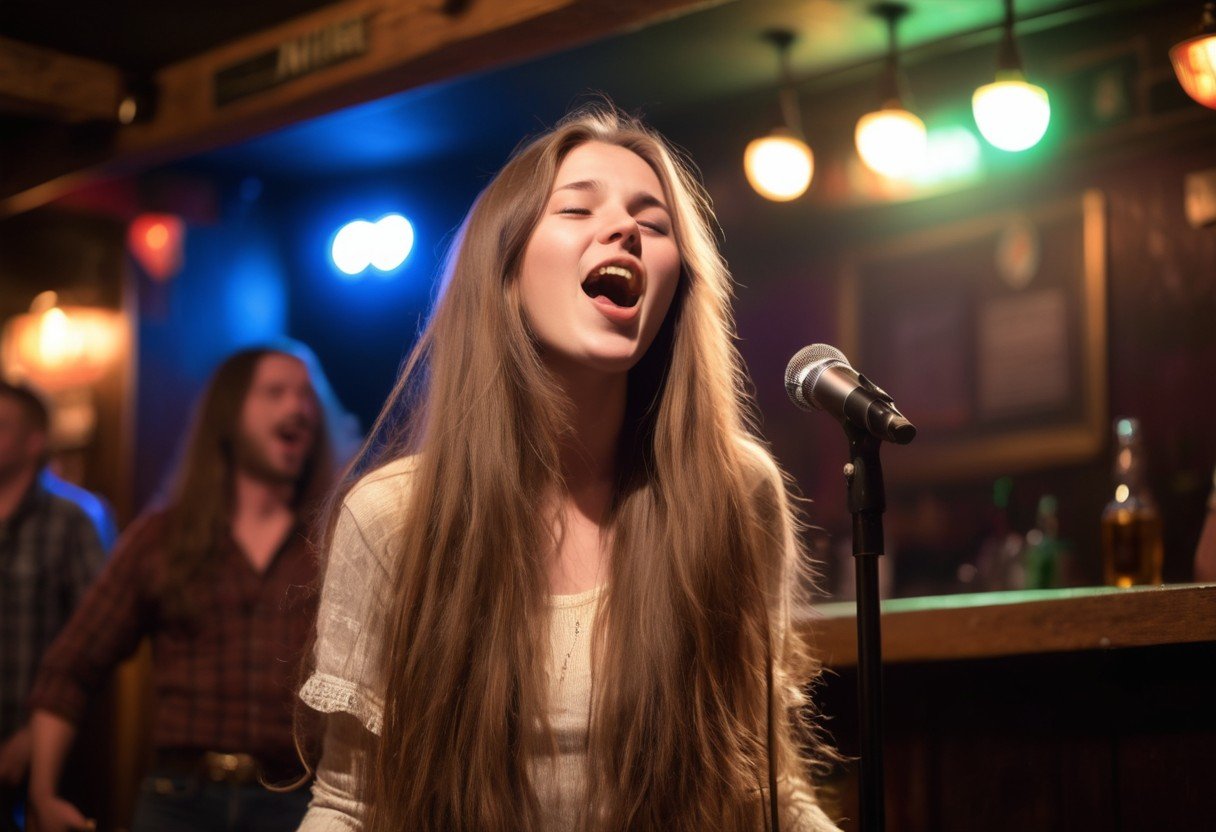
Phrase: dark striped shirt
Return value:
(225, 679)
(49, 554)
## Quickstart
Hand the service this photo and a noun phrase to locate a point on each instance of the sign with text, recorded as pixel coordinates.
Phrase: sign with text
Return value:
(292, 59)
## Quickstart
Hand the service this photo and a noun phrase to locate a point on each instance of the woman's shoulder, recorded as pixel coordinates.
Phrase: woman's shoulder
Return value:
(377, 502)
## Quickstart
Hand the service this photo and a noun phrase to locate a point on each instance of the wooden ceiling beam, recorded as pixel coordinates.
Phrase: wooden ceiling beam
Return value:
(343, 54)
(39, 81)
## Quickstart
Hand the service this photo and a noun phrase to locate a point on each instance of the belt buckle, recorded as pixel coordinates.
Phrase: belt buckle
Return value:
(229, 768)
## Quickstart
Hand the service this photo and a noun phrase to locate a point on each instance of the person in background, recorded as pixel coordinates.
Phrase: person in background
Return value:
(218, 577)
(50, 552)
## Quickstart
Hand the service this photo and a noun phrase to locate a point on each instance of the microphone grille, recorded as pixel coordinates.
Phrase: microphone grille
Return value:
(804, 370)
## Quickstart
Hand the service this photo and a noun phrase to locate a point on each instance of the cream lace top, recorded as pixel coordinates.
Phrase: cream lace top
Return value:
(348, 685)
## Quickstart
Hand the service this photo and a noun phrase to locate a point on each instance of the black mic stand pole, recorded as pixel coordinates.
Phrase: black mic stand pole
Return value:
(867, 502)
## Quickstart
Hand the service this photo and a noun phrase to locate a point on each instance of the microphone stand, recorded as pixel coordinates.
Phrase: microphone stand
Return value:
(867, 502)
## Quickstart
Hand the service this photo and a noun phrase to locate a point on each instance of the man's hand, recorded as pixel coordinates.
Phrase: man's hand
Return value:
(15, 758)
(54, 814)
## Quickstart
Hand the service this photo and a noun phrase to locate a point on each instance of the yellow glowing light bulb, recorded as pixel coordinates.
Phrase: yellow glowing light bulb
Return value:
(1011, 114)
(892, 142)
(779, 166)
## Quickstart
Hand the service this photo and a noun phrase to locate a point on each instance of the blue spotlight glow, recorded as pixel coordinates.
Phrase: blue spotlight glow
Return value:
(351, 249)
(393, 240)
(383, 245)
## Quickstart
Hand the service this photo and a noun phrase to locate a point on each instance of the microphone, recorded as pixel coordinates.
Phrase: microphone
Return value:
(819, 377)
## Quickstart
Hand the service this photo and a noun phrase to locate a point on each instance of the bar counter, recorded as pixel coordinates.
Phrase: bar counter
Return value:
(1055, 710)
(994, 624)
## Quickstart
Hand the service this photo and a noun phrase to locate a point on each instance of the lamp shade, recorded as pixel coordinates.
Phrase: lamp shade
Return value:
(1011, 113)
(891, 142)
(1195, 65)
(62, 347)
(779, 166)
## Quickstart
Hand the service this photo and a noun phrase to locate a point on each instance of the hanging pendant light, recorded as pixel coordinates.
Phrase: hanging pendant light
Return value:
(779, 166)
(1011, 113)
(1194, 60)
(891, 140)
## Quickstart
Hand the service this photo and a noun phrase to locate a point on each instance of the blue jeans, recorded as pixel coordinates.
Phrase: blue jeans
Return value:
(12, 809)
(173, 803)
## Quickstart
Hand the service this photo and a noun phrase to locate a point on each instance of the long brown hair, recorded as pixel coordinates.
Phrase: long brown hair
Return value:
(699, 581)
(198, 503)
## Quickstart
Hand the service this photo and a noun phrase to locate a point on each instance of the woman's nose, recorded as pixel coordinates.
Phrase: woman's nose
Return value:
(622, 229)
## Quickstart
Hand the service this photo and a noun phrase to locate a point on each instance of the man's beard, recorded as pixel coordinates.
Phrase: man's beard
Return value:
(251, 458)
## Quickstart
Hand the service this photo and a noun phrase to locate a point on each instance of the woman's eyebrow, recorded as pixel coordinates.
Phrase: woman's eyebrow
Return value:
(580, 185)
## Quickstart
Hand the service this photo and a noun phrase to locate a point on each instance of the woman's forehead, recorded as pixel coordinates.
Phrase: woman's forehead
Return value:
(599, 165)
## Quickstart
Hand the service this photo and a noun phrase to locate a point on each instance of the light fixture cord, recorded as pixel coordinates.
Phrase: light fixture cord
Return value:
(1009, 59)
(791, 112)
(891, 84)
(891, 92)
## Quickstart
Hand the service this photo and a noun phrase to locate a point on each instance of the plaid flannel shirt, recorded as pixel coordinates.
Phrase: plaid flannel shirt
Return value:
(49, 554)
(223, 681)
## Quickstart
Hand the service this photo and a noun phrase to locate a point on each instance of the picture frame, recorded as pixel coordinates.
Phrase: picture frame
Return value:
(990, 335)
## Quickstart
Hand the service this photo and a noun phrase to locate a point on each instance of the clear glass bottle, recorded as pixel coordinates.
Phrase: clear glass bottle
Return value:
(1132, 548)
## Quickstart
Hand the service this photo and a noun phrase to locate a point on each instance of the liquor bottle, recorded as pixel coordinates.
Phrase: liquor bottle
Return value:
(1205, 552)
(1132, 548)
(1043, 548)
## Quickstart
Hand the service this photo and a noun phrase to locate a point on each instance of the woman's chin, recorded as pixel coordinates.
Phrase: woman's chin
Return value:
(598, 361)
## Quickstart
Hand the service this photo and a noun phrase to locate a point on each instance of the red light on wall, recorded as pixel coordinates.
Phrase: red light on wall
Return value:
(156, 241)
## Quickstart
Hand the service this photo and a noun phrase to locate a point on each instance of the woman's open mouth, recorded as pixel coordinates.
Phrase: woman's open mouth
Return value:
(618, 282)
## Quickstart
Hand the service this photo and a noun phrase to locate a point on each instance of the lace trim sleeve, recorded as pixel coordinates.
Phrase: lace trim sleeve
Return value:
(332, 694)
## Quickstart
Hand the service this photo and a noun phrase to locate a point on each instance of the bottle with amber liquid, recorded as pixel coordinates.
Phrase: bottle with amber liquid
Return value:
(1132, 548)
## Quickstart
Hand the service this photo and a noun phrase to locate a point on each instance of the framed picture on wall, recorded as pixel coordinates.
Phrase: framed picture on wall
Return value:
(990, 334)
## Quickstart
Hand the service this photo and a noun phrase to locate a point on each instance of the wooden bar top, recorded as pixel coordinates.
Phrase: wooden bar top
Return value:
(992, 624)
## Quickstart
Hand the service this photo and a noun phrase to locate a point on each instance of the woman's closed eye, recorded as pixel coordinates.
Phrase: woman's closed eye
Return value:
(656, 226)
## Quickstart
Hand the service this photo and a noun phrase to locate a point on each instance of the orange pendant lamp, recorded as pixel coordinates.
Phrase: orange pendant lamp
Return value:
(1194, 60)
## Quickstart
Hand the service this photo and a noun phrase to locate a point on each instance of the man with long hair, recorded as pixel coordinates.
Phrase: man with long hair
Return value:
(218, 579)
(50, 551)
(559, 596)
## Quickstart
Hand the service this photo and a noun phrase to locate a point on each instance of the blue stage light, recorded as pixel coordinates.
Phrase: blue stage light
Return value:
(383, 245)
(393, 240)
(351, 249)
